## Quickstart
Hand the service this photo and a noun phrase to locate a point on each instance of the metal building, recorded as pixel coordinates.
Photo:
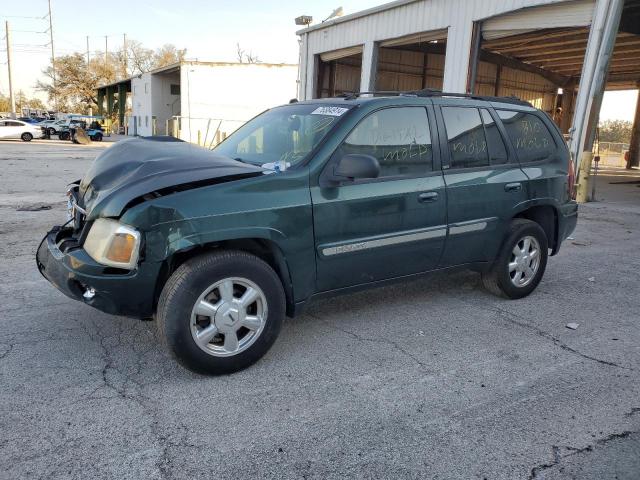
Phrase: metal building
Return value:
(558, 54)
(199, 102)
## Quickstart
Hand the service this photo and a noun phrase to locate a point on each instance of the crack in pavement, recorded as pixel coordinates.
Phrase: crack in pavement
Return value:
(373, 340)
(517, 320)
(557, 457)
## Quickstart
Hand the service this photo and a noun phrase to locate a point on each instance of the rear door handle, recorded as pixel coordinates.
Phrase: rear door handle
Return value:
(428, 197)
(513, 187)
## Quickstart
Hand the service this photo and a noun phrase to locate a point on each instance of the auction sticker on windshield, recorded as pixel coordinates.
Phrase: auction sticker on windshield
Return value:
(333, 111)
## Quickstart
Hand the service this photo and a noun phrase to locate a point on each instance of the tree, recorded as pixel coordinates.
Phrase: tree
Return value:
(22, 101)
(244, 57)
(168, 54)
(617, 131)
(77, 81)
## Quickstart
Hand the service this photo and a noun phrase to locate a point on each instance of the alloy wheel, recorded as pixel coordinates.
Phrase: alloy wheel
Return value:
(524, 262)
(228, 317)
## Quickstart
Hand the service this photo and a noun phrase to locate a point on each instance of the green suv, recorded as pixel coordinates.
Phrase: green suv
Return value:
(311, 199)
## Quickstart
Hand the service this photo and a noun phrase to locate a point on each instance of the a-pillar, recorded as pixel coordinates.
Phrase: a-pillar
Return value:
(369, 67)
(634, 143)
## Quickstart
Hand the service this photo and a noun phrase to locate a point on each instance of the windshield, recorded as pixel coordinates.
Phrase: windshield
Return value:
(283, 136)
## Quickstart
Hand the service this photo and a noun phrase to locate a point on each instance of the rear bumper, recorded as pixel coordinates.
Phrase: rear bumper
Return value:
(73, 272)
(567, 221)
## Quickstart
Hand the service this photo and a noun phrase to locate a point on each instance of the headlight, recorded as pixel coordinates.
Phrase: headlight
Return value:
(113, 244)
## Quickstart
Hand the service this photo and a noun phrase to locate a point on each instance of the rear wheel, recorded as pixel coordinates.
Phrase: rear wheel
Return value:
(64, 135)
(97, 137)
(521, 263)
(26, 137)
(52, 131)
(221, 313)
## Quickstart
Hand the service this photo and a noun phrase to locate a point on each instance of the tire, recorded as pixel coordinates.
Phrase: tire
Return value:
(64, 135)
(179, 324)
(97, 137)
(52, 131)
(26, 137)
(503, 279)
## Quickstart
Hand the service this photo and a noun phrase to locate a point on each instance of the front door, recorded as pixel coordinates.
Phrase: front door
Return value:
(484, 183)
(370, 230)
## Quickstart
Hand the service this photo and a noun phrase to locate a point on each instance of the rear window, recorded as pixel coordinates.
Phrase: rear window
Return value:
(530, 137)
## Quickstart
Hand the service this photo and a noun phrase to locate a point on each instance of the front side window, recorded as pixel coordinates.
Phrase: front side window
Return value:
(284, 134)
(399, 138)
(466, 138)
(529, 135)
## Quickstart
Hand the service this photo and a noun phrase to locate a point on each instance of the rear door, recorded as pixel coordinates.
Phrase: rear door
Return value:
(483, 179)
(394, 225)
(16, 128)
(542, 158)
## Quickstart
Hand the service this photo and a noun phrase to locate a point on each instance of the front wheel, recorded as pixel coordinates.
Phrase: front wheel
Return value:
(521, 263)
(26, 137)
(220, 313)
(97, 137)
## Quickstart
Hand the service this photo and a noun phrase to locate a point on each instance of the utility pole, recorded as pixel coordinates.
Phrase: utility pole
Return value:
(124, 54)
(106, 49)
(53, 59)
(88, 58)
(13, 100)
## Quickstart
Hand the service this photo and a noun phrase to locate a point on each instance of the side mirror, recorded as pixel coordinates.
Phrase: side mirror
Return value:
(353, 166)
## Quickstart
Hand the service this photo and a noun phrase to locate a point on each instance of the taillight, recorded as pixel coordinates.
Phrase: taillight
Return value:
(571, 180)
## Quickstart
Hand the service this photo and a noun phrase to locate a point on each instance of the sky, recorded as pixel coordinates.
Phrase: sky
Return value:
(209, 30)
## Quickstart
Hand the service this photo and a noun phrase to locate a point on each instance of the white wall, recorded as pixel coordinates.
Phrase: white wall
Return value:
(164, 104)
(141, 105)
(230, 92)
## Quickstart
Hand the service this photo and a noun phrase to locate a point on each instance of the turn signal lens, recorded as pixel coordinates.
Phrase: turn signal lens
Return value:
(121, 248)
(111, 243)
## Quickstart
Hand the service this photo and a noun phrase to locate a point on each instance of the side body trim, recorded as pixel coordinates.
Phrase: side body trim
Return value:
(383, 241)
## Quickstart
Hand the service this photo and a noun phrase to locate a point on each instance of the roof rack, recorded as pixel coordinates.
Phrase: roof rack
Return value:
(429, 92)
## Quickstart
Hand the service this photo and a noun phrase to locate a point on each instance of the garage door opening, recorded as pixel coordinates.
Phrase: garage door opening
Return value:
(541, 67)
(339, 72)
(412, 63)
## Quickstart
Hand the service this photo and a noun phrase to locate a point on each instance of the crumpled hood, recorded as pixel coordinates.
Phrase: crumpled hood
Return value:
(134, 167)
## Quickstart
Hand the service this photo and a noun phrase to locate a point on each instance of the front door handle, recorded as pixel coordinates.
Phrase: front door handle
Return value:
(428, 197)
(513, 187)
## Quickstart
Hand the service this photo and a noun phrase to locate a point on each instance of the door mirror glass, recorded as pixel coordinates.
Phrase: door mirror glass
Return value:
(354, 166)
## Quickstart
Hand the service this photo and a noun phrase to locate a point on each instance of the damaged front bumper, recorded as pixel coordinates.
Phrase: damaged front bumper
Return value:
(78, 276)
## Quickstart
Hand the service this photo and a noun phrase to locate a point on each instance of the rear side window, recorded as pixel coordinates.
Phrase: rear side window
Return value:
(465, 135)
(529, 135)
(399, 138)
(497, 149)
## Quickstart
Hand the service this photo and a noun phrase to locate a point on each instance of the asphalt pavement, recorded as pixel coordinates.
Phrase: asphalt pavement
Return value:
(434, 378)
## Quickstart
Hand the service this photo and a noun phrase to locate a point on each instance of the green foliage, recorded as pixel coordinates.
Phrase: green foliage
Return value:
(617, 131)
(22, 101)
(76, 80)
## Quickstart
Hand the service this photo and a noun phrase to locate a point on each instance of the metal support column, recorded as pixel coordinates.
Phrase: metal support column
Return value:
(101, 93)
(369, 67)
(122, 103)
(634, 143)
(111, 90)
(602, 37)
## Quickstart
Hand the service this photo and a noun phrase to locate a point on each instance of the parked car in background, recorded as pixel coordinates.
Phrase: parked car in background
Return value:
(307, 200)
(31, 120)
(18, 129)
